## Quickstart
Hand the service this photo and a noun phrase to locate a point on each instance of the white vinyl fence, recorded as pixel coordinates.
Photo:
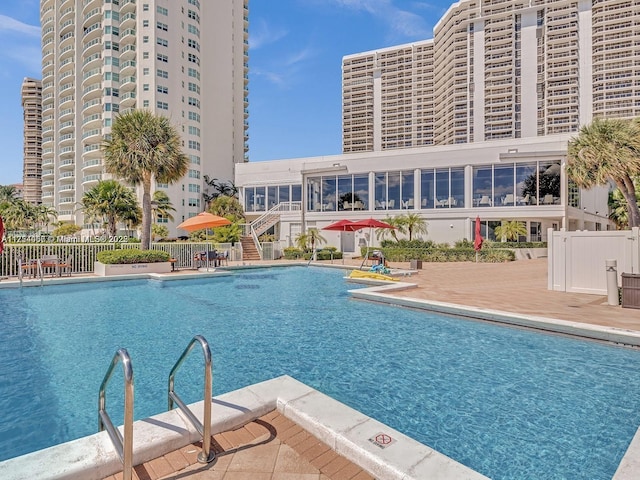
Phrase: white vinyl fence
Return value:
(577, 260)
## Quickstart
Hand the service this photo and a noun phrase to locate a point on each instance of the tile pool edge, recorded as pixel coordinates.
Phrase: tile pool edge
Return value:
(344, 429)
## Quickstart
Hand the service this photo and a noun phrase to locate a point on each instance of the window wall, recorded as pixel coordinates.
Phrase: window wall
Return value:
(516, 184)
(331, 193)
(261, 199)
(394, 190)
(442, 188)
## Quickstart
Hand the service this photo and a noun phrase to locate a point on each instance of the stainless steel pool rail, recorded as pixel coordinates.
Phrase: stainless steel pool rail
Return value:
(204, 428)
(124, 446)
(38, 270)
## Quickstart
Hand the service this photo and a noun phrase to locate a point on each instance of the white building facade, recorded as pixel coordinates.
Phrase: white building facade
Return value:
(185, 59)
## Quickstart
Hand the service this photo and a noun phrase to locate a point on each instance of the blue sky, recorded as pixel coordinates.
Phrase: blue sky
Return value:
(295, 57)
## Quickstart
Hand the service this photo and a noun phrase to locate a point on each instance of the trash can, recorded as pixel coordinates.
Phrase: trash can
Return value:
(415, 264)
(630, 290)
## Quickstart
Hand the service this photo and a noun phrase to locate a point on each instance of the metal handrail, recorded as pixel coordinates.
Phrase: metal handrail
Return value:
(204, 428)
(256, 241)
(124, 447)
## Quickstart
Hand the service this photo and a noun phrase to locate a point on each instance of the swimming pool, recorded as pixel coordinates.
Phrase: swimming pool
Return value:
(508, 403)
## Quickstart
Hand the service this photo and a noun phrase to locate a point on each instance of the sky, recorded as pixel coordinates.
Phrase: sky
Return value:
(295, 58)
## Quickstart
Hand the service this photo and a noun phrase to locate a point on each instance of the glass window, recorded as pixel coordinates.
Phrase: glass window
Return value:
(272, 195)
(249, 197)
(361, 191)
(259, 202)
(328, 194)
(283, 193)
(549, 183)
(408, 201)
(381, 191)
(442, 187)
(482, 193)
(313, 194)
(456, 195)
(503, 186)
(345, 192)
(427, 189)
(296, 193)
(393, 191)
(526, 184)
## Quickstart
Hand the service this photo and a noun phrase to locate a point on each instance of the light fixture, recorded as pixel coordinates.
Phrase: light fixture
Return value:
(512, 150)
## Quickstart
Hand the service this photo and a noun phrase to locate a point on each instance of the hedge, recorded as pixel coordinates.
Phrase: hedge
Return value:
(492, 255)
(132, 255)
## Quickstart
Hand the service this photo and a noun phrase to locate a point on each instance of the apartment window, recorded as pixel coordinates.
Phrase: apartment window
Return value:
(162, 89)
(145, 23)
(145, 87)
(111, 92)
(194, 30)
(194, 202)
(194, 88)
(145, 55)
(111, 107)
(193, 16)
(112, 76)
(194, 188)
(194, 131)
(194, 146)
(194, 59)
(163, 73)
(162, 26)
(195, 3)
(145, 103)
(195, 159)
(194, 73)
(162, 105)
(145, 39)
(115, 46)
(109, 30)
(194, 116)
(112, 14)
(145, 7)
(145, 71)
(193, 44)
(194, 174)
(162, 58)
(194, 102)
(162, 11)
(162, 42)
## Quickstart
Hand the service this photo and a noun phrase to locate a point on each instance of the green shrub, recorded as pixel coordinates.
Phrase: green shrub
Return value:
(292, 253)
(131, 255)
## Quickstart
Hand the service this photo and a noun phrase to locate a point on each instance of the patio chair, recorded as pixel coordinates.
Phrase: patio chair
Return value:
(547, 199)
(508, 199)
(30, 267)
(485, 201)
(51, 262)
(224, 257)
(66, 266)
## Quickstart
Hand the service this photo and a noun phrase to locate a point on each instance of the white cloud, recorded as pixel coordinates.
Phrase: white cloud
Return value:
(261, 33)
(8, 24)
(400, 22)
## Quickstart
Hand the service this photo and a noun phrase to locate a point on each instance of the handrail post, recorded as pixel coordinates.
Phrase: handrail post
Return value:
(123, 446)
(204, 428)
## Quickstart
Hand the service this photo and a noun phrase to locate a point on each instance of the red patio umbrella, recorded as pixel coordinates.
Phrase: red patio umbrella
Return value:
(342, 226)
(371, 223)
(477, 242)
(1, 235)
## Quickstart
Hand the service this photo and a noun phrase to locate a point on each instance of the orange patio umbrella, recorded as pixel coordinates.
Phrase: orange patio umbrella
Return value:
(203, 220)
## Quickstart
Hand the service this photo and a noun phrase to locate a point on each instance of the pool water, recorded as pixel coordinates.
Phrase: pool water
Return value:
(506, 402)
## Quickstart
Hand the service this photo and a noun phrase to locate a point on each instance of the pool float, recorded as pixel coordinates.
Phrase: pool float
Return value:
(372, 275)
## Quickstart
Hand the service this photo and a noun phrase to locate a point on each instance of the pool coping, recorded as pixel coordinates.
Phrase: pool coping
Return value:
(348, 432)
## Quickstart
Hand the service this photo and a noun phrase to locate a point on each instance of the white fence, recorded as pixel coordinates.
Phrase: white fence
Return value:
(577, 260)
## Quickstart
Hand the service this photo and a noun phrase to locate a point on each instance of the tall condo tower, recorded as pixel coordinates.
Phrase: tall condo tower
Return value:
(185, 59)
(496, 69)
(31, 94)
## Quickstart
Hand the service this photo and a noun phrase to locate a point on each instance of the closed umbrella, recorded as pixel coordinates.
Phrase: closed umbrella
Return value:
(203, 220)
(1, 235)
(477, 242)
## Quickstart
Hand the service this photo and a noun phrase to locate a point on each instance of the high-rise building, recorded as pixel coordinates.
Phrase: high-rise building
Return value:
(497, 69)
(31, 94)
(186, 59)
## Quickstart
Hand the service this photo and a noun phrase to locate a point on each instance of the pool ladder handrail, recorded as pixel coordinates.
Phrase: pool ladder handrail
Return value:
(123, 446)
(204, 428)
(39, 270)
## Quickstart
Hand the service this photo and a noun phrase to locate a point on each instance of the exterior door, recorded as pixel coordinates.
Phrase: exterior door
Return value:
(348, 242)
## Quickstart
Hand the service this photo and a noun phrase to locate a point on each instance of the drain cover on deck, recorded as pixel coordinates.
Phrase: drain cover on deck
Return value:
(382, 440)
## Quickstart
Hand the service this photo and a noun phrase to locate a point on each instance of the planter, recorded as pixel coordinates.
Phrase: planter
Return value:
(105, 270)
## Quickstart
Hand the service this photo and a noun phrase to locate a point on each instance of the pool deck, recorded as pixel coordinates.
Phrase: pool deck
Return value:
(515, 287)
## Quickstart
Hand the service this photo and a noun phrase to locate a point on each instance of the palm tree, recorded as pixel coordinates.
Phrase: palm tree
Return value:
(45, 215)
(144, 146)
(228, 207)
(8, 193)
(218, 188)
(414, 223)
(109, 202)
(608, 149)
(162, 206)
(19, 215)
(510, 230)
(397, 222)
(312, 237)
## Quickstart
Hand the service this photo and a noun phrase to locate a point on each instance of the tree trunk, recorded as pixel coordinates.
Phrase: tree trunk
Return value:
(146, 213)
(629, 192)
